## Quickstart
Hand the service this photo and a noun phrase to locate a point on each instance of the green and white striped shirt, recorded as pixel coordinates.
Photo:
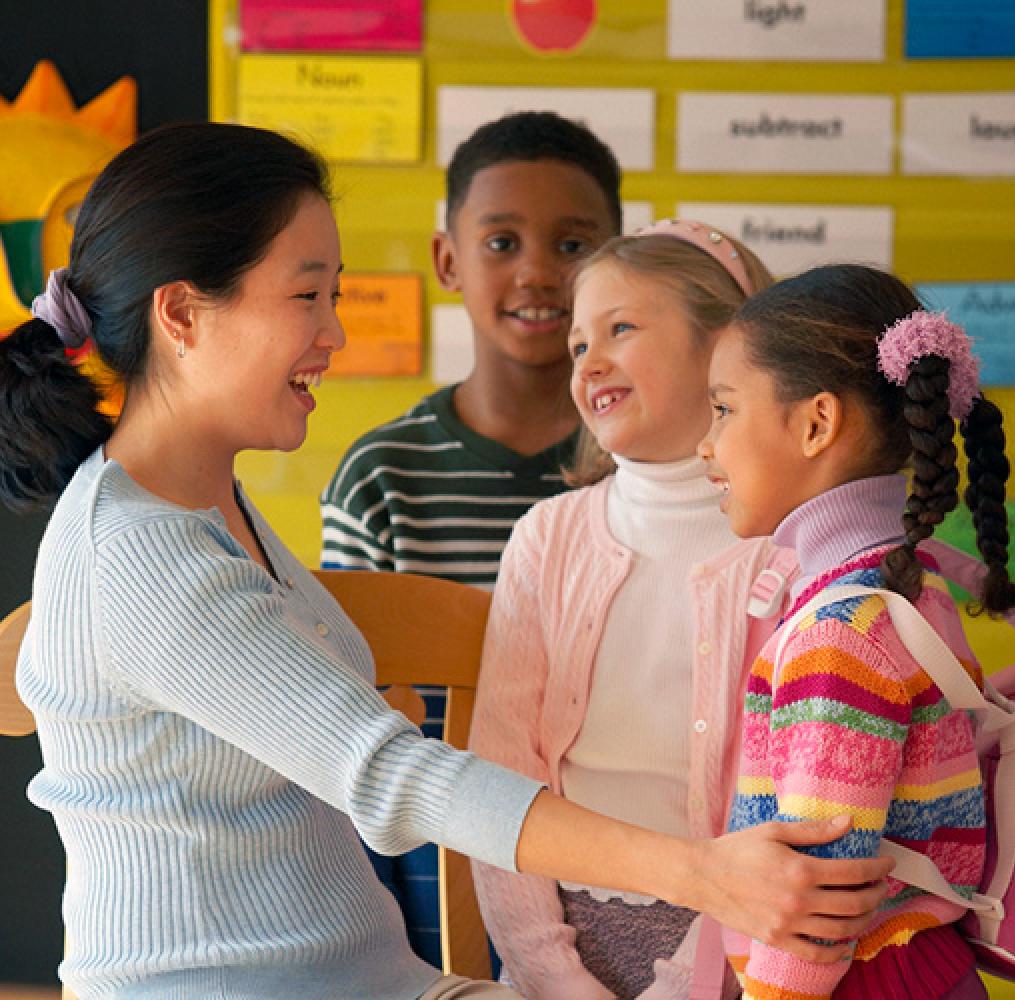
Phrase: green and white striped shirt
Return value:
(427, 494)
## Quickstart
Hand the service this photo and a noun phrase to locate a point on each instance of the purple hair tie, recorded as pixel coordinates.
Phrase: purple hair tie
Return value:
(62, 310)
(925, 333)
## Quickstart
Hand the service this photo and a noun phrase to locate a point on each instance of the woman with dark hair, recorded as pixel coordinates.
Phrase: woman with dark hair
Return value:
(211, 737)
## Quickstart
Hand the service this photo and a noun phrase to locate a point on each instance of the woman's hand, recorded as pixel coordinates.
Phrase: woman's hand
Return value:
(754, 882)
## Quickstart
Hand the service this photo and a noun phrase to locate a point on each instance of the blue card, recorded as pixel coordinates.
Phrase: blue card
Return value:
(960, 29)
(987, 310)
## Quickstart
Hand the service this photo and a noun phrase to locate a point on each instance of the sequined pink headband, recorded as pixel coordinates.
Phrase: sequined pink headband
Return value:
(714, 243)
(921, 334)
(62, 310)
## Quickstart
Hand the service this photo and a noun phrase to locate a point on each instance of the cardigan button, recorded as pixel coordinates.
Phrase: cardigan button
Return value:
(700, 726)
(322, 629)
(704, 648)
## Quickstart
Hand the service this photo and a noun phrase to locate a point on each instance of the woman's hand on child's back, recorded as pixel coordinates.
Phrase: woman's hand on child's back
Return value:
(755, 882)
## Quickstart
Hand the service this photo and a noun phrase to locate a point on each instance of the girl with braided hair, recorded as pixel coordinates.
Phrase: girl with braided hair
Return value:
(824, 388)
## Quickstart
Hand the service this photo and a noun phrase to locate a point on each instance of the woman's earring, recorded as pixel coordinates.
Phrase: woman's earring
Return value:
(181, 346)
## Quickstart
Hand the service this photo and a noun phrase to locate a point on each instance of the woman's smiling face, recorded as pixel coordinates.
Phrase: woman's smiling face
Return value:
(266, 346)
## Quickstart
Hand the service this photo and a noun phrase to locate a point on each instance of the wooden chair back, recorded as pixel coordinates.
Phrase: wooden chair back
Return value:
(15, 719)
(426, 631)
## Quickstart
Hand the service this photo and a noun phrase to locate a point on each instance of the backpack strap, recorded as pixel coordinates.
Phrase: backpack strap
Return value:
(960, 568)
(926, 647)
(768, 593)
(709, 962)
(996, 717)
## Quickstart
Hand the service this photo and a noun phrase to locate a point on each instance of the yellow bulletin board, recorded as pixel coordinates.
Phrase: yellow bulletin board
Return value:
(945, 228)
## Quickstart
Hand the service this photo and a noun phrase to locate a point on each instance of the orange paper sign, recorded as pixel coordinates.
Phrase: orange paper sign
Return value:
(382, 315)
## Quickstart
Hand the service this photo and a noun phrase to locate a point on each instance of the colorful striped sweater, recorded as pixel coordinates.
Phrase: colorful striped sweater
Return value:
(852, 724)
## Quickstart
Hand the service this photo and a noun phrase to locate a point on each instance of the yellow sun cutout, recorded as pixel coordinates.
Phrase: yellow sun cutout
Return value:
(50, 151)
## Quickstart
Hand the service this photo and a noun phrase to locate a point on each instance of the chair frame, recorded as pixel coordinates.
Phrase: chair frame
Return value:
(423, 630)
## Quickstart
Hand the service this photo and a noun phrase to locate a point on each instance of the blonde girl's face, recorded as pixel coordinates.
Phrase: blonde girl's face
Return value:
(639, 378)
(752, 450)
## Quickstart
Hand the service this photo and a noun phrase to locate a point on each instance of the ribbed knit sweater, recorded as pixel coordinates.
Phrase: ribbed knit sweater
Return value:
(212, 742)
(852, 724)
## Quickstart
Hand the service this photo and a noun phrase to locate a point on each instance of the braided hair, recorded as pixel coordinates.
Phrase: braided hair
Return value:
(983, 438)
(819, 332)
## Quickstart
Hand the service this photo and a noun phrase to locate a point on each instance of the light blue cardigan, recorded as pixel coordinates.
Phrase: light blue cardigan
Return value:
(212, 742)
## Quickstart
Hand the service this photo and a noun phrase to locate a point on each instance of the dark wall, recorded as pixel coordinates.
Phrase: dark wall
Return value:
(163, 45)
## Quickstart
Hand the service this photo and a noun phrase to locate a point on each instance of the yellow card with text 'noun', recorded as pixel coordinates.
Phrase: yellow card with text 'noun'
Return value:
(350, 109)
(383, 319)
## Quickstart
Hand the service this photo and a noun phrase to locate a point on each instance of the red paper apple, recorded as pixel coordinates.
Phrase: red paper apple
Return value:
(554, 25)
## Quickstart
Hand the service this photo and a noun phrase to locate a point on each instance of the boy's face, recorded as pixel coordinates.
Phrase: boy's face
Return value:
(511, 253)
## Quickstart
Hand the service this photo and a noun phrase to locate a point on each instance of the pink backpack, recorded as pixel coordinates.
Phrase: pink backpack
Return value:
(989, 926)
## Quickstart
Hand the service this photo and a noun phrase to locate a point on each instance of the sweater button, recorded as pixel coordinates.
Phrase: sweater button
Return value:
(322, 629)
(700, 726)
(704, 648)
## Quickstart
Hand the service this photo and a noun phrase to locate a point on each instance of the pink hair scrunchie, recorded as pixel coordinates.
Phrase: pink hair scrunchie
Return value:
(925, 333)
(62, 310)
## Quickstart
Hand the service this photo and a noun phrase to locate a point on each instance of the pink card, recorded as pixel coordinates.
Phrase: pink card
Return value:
(331, 25)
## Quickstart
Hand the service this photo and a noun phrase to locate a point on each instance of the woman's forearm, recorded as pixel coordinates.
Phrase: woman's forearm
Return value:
(752, 881)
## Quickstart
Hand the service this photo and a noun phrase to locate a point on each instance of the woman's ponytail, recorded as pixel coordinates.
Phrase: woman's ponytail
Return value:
(49, 417)
(199, 202)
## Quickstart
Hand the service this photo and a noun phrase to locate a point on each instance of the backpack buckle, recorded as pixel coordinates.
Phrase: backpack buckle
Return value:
(767, 594)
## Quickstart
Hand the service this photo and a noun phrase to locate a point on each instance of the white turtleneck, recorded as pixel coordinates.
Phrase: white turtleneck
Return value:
(632, 756)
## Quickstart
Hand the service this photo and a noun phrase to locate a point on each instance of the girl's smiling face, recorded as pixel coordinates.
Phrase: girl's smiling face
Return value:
(640, 373)
(753, 449)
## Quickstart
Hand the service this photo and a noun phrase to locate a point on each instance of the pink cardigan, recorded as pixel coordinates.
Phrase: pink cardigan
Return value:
(557, 579)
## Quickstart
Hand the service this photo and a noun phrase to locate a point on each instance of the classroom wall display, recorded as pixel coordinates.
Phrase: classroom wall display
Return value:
(970, 29)
(350, 108)
(792, 238)
(555, 26)
(987, 310)
(784, 133)
(968, 135)
(326, 26)
(817, 170)
(50, 152)
(623, 117)
(812, 30)
(382, 315)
